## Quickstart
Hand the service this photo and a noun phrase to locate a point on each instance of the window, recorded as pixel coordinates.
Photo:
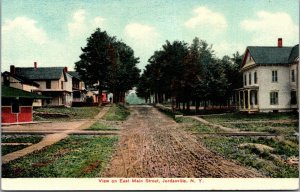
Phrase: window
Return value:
(255, 98)
(249, 78)
(293, 75)
(15, 106)
(245, 80)
(48, 84)
(255, 77)
(274, 98)
(274, 76)
(293, 98)
(62, 84)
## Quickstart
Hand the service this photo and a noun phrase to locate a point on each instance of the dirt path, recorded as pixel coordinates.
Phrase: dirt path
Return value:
(153, 145)
(63, 128)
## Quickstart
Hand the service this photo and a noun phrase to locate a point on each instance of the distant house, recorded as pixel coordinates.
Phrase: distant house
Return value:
(54, 82)
(78, 87)
(17, 105)
(270, 79)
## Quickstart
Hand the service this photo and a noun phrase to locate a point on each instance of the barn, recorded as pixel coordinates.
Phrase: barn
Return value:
(17, 105)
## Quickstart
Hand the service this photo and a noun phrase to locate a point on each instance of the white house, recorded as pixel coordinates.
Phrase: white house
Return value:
(270, 79)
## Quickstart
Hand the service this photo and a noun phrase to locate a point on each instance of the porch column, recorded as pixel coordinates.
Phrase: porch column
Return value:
(244, 98)
(249, 107)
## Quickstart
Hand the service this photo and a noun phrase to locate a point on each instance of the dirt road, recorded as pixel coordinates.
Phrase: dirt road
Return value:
(154, 145)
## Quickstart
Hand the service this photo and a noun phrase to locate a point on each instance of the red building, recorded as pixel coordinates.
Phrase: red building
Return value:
(17, 105)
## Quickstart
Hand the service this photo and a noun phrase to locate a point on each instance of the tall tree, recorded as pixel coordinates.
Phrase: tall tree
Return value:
(95, 59)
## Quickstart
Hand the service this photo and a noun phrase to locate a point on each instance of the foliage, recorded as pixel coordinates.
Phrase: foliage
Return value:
(66, 158)
(183, 73)
(109, 63)
(117, 113)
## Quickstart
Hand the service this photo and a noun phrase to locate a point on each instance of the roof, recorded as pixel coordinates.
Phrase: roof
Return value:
(270, 55)
(294, 53)
(74, 74)
(10, 92)
(41, 73)
(23, 80)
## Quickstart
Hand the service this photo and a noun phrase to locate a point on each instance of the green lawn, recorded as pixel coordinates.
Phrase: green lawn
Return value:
(117, 113)
(250, 117)
(271, 163)
(75, 156)
(71, 113)
(101, 126)
(258, 122)
(5, 149)
(196, 127)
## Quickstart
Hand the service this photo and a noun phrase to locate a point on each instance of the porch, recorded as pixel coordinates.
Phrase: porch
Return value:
(247, 99)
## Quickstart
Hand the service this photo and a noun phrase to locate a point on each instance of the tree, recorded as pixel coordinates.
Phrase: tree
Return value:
(109, 63)
(95, 59)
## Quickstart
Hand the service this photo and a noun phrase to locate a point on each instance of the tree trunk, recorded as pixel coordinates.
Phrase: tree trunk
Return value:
(100, 96)
(188, 105)
(197, 106)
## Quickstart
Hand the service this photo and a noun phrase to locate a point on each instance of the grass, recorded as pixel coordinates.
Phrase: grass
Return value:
(264, 162)
(101, 126)
(267, 162)
(251, 117)
(117, 113)
(195, 126)
(258, 122)
(71, 113)
(5, 149)
(75, 156)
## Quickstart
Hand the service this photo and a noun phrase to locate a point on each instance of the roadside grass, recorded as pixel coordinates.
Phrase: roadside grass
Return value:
(73, 157)
(250, 117)
(5, 149)
(269, 163)
(258, 122)
(101, 126)
(69, 113)
(195, 126)
(117, 113)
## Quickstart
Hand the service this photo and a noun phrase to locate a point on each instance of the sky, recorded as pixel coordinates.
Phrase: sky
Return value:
(52, 32)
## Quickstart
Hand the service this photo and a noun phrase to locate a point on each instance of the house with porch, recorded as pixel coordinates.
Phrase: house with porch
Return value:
(54, 82)
(270, 79)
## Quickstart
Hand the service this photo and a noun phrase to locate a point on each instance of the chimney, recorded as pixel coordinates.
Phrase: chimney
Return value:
(280, 42)
(35, 65)
(12, 69)
(66, 69)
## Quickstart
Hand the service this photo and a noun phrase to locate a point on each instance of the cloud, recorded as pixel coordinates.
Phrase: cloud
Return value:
(267, 27)
(24, 28)
(204, 17)
(80, 25)
(140, 32)
(143, 39)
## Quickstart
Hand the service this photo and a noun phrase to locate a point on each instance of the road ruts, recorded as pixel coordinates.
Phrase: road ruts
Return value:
(153, 145)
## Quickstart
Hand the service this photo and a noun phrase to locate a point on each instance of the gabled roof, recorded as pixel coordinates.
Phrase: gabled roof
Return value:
(10, 92)
(41, 73)
(270, 55)
(23, 80)
(75, 74)
(294, 53)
